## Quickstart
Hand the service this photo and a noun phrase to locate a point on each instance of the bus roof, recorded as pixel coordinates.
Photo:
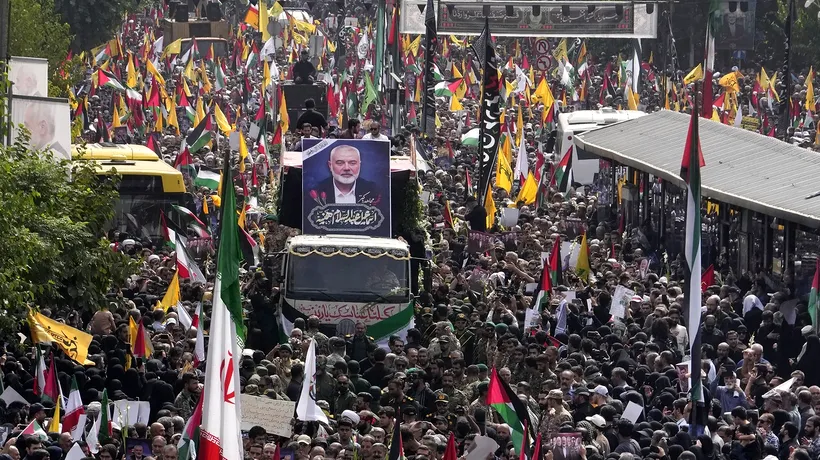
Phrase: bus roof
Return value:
(132, 161)
(109, 151)
(584, 120)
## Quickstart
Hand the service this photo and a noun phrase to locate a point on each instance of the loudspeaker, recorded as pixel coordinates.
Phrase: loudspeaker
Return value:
(213, 12)
(181, 13)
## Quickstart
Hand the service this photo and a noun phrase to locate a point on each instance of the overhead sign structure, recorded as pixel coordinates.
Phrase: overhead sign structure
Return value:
(543, 62)
(595, 19)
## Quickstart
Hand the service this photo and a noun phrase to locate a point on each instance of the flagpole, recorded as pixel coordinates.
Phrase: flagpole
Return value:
(697, 416)
(481, 131)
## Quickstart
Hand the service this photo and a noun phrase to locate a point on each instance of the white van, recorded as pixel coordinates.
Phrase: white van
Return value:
(585, 164)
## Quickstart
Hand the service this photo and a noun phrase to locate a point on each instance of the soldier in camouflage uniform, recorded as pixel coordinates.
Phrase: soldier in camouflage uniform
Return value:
(554, 415)
(455, 397)
(481, 398)
(312, 332)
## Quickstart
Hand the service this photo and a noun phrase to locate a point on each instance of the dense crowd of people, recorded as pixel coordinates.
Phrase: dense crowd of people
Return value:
(579, 371)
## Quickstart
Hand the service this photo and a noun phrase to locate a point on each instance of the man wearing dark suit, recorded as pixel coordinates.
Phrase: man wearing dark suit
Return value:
(344, 184)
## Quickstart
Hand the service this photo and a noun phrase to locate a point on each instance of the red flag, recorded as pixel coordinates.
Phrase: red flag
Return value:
(524, 443)
(391, 34)
(708, 278)
(141, 343)
(52, 390)
(450, 452)
(448, 215)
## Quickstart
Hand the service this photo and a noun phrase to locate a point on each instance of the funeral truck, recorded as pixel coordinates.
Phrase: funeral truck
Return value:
(346, 279)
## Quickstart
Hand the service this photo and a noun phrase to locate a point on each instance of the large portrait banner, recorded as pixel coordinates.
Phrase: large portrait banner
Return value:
(346, 188)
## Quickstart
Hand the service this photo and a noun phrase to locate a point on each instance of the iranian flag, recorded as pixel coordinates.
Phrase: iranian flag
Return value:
(504, 400)
(189, 441)
(814, 297)
(73, 409)
(221, 436)
(199, 348)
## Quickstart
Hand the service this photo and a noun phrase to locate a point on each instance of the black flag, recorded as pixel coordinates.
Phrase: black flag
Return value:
(428, 118)
(489, 118)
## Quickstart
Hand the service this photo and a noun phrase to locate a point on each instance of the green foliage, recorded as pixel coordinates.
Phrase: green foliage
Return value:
(52, 253)
(411, 216)
(37, 31)
(68, 74)
(93, 22)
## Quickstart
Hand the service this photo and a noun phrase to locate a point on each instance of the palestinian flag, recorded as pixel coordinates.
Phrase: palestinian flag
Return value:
(470, 138)
(396, 446)
(189, 442)
(556, 266)
(207, 179)
(691, 163)
(108, 80)
(814, 297)
(184, 162)
(182, 210)
(506, 403)
(563, 171)
(548, 279)
(200, 136)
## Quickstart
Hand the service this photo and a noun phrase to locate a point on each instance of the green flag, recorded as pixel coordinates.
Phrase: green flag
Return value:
(230, 255)
(104, 436)
(370, 94)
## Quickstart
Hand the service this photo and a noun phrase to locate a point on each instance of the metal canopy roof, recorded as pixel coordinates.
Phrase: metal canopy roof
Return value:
(743, 168)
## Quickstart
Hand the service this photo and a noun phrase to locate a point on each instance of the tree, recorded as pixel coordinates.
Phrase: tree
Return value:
(53, 253)
(93, 22)
(37, 31)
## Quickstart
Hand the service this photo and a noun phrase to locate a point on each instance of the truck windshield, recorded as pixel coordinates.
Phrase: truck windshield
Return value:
(347, 279)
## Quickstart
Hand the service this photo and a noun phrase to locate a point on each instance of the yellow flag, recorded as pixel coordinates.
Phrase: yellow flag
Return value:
(304, 26)
(171, 297)
(519, 126)
(528, 191)
(200, 112)
(715, 116)
(131, 72)
(263, 20)
(54, 425)
(582, 266)
(153, 71)
(414, 46)
(206, 82)
(172, 115)
(455, 105)
(631, 98)
(242, 217)
(504, 173)
(489, 206)
(810, 101)
(189, 71)
(158, 126)
(763, 78)
(265, 76)
(243, 152)
(773, 87)
(73, 342)
(275, 11)
(331, 46)
(457, 73)
(543, 94)
(560, 51)
(694, 75)
(115, 118)
(438, 121)
(222, 121)
(173, 48)
(284, 119)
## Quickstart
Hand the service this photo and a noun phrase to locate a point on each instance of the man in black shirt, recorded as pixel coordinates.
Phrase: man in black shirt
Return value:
(304, 71)
(476, 216)
(311, 116)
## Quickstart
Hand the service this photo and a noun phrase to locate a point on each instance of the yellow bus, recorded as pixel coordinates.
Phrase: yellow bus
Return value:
(148, 186)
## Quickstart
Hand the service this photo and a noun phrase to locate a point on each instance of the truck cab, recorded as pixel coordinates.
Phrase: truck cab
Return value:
(345, 279)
